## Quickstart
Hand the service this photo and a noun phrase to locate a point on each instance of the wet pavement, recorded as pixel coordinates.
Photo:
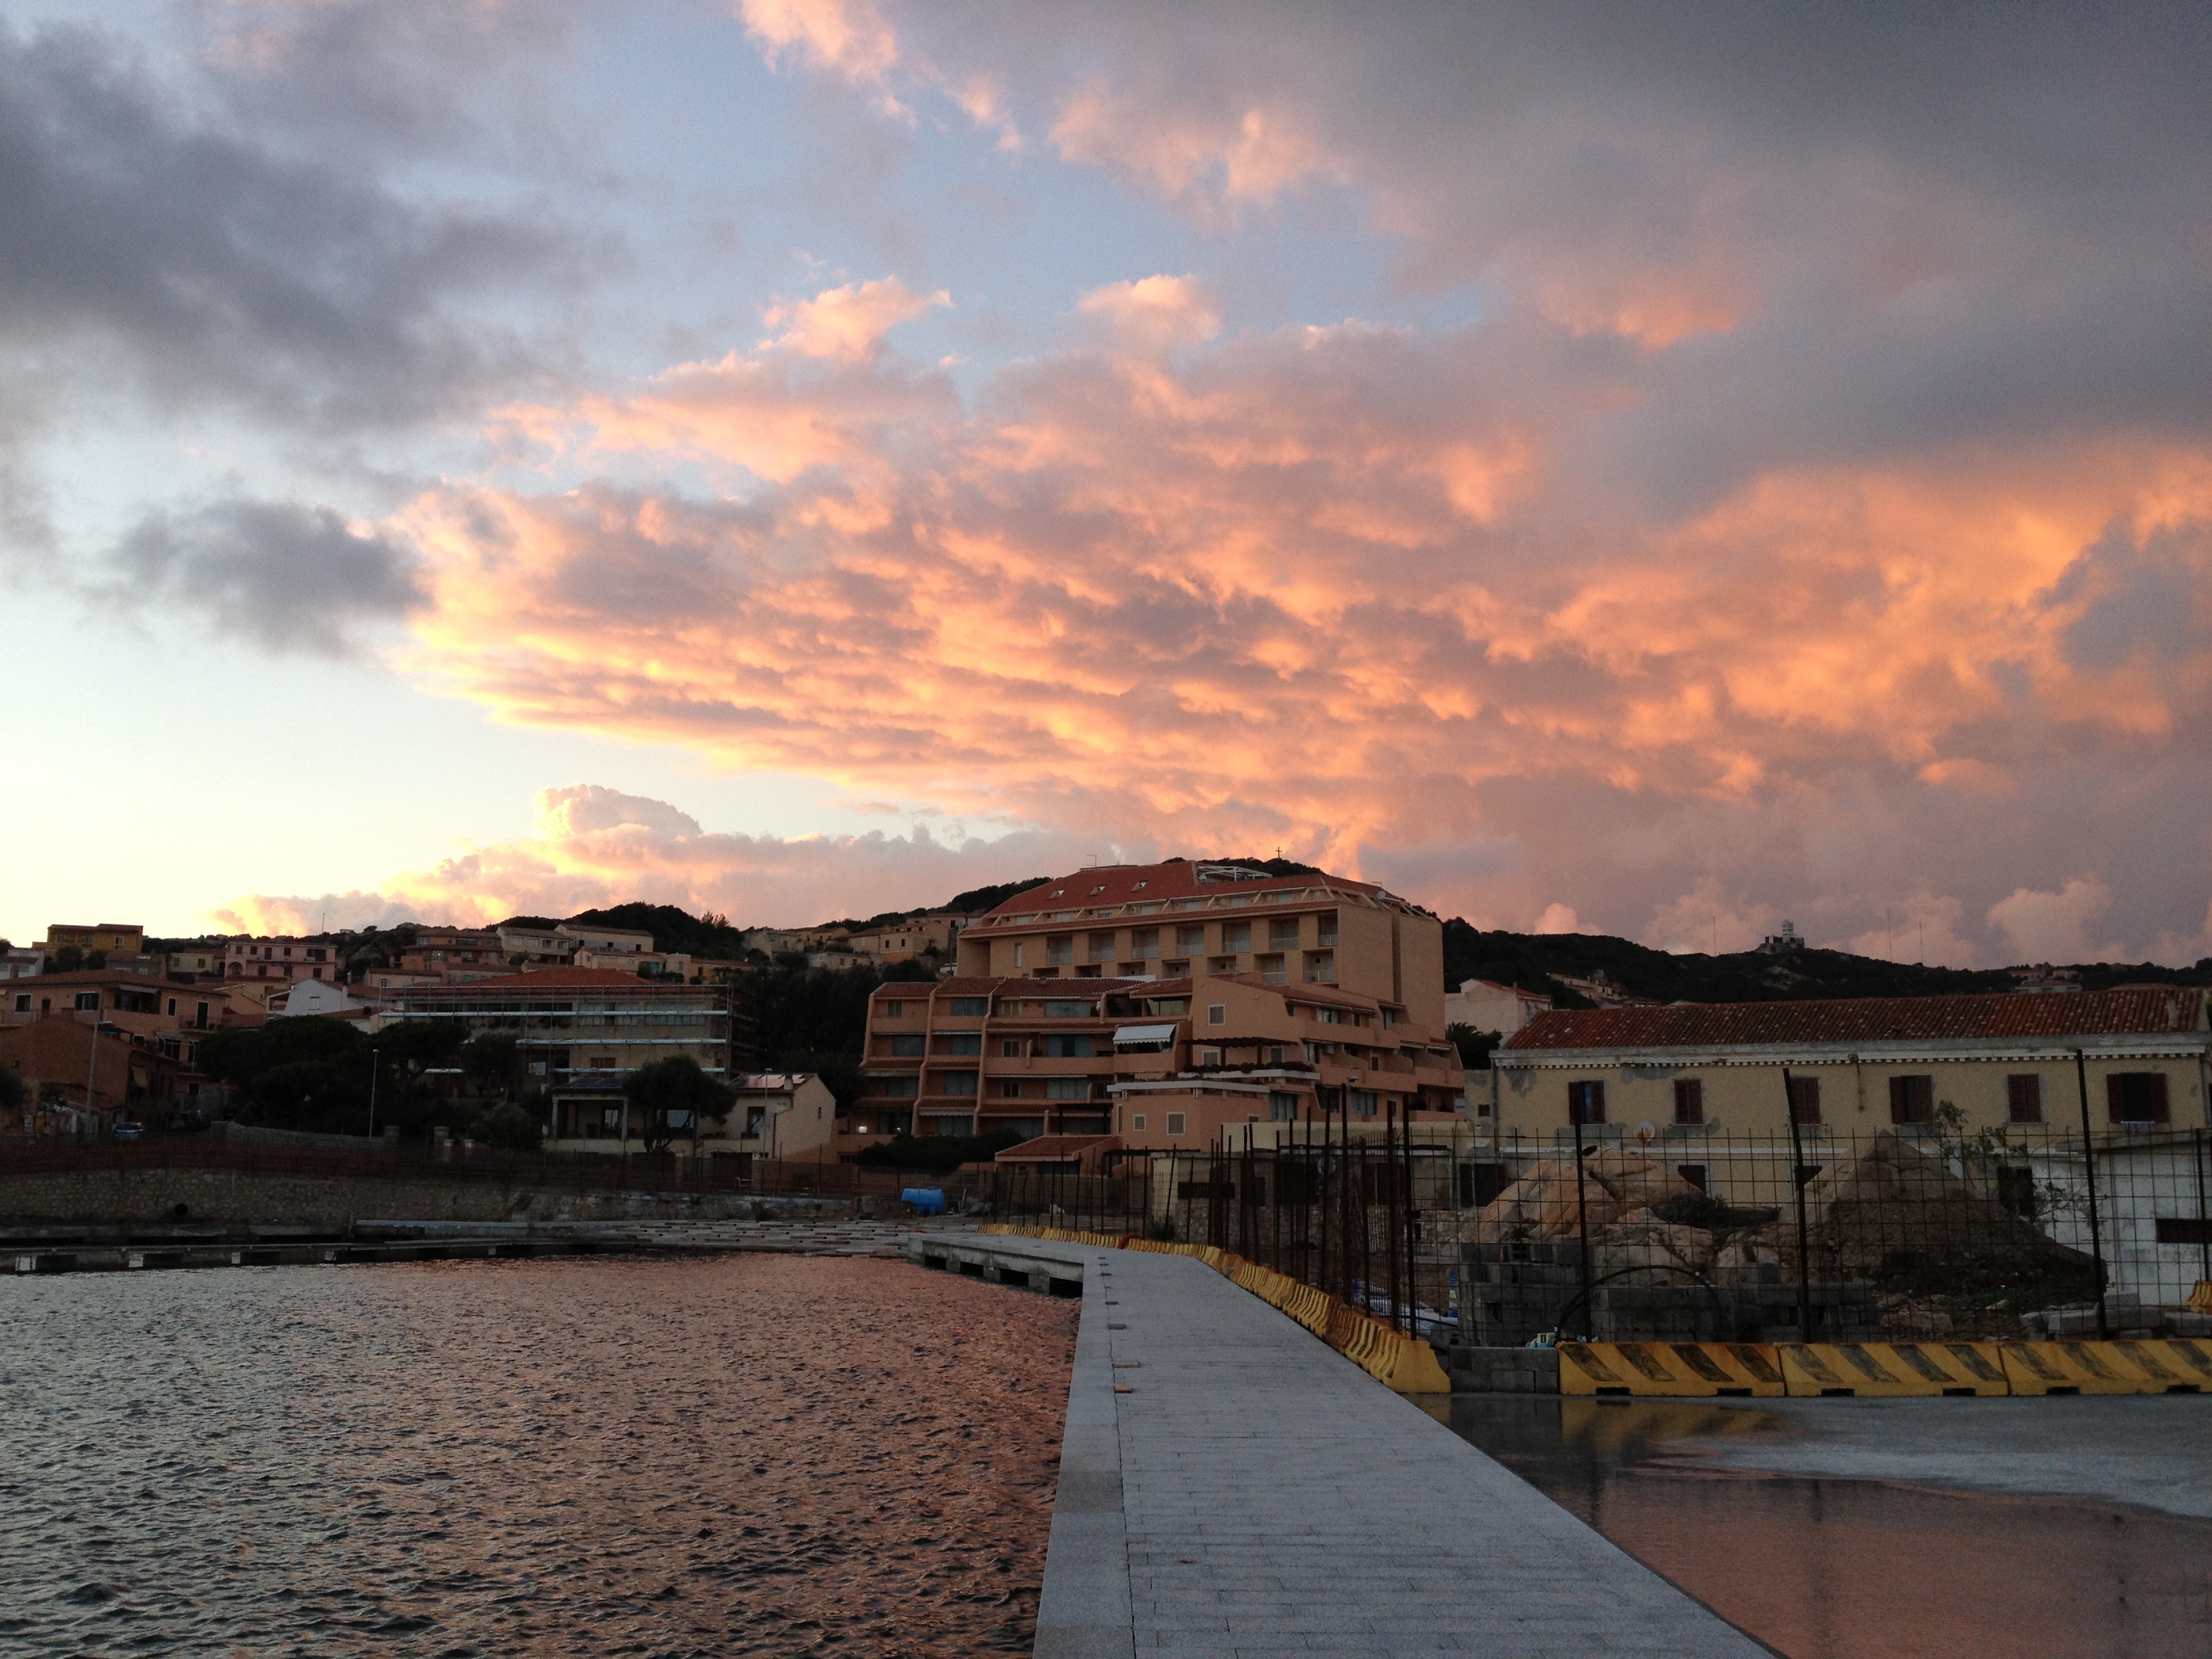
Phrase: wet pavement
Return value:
(1891, 1530)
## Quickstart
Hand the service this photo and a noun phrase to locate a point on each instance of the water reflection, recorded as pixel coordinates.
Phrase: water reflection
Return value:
(1844, 1569)
(751, 1454)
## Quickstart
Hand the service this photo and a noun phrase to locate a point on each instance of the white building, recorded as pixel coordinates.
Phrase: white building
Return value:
(1484, 1005)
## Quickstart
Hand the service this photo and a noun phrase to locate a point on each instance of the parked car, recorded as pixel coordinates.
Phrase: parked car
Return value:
(128, 1131)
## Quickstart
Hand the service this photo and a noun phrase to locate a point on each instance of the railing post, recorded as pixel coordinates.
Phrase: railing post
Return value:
(2089, 1179)
(1797, 1187)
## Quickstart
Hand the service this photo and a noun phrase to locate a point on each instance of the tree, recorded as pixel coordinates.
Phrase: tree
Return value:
(14, 1093)
(490, 1059)
(1474, 1047)
(311, 1094)
(67, 959)
(671, 1097)
(509, 1127)
(405, 1052)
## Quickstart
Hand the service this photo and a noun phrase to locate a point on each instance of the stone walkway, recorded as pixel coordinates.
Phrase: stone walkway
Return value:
(1229, 1485)
(790, 1237)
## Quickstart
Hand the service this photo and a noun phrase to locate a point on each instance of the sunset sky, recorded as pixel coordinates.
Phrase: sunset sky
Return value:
(1654, 469)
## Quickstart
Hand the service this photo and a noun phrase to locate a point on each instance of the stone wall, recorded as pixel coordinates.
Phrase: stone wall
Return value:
(269, 1198)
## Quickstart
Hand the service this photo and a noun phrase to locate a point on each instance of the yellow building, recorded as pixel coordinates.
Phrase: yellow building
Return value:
(128, 939)
(1691, 1075)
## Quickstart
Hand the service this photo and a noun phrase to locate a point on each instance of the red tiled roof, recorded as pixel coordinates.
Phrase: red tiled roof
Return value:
(1117, 885)
(100, 976)
(2145, 1010)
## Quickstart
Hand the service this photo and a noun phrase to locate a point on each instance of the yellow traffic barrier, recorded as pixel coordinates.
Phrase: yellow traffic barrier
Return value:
(2200, 1298)
(1889, 1371)
(1690, 1370)
(1402, 1363)
(2039, 1368)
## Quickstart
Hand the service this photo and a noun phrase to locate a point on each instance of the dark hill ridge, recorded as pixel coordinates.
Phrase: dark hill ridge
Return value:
(1533, 961)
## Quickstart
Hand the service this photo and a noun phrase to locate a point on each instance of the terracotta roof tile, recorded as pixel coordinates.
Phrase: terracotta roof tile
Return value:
(2131, 1011)
(1119, 884)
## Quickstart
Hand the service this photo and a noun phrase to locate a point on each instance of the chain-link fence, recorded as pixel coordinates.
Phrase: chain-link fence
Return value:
(1916, 1232)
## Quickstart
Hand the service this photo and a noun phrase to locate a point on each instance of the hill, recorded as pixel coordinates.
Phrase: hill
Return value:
(1535, 962)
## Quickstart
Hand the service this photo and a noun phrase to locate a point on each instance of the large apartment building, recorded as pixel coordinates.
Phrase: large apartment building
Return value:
(1186, 920)
(1159, 1004)
(580, 1029)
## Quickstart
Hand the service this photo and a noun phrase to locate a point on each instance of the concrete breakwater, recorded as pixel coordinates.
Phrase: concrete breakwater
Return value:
(243, 1197)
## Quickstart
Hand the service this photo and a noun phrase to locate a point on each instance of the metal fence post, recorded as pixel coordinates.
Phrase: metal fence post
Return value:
(1582, 1216)
(1797, 1186)
(2089, 1179)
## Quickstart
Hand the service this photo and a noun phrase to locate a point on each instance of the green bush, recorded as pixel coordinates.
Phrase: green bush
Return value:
(509, 1127)
(936, 1154)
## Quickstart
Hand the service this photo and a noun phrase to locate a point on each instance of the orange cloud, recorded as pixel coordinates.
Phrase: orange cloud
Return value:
(846, 323)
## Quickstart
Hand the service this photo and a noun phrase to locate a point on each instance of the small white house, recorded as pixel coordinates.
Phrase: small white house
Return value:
(314, 996)
(1486, 1006)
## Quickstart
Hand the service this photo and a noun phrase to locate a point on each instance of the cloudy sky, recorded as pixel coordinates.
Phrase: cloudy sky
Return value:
(1652, 469)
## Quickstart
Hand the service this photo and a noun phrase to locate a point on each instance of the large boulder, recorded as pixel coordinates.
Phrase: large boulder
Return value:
(1548, 1202)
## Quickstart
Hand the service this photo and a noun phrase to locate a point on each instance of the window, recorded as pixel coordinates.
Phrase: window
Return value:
(1283, 935)
(2182, 1229)
(1168, 1005)
(1209, 1056)
(1010, 1047)
(172, 1007)
(1804, 1100)
(1067, 1010)
(1692, 1173)
(1190, 941)
(894, 1010)
(905, 1087)
(1216, 1013)
(23, 1003)
(1067, 1088)
(1009, 1090)
(2132, 1097)
(88, 1002)
(1271, 969)
(1586, 1101)
(1143, 943)
(1018, 952)
(1363, 1102)
(1137, 1121)
(1060, 948)
(1176, 1122)
(1282, 1107)
(957, 1083)
(2024, 1099)
(963, 1042)
(1330, 1016)
(1689, 1101)
(1237, 937)
(1912, 1100)
(1102, 947)
(906, 1047)
(1061, 1046)
(605, 1063)
(965, 1007)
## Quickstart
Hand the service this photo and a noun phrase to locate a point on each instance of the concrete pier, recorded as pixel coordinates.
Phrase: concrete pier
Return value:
(1229, 1485)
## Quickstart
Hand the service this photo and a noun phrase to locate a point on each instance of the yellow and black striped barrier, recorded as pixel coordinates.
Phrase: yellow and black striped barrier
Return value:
(1882, 1371)
(2173, 1366)
(1402, 1363)
(1694, 1371)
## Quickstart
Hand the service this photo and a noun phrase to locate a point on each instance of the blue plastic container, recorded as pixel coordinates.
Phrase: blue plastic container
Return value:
(926, 1200)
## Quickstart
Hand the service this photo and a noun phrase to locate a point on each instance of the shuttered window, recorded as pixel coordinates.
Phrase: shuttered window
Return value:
(2024, 1099)
(1586, 1101)
(1689, 1100)
(1913, 1099)
(2135, 1097)
(1804, 1100)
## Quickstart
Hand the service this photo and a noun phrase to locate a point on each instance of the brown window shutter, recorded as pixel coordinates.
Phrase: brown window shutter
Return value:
(1900, 1100)
(1689, 1100)
(2116, 1097)
(2157, 1084)
(2024, 1099)
(1805, 1099)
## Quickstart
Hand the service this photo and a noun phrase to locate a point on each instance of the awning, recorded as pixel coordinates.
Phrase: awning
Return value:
(1143, 1034)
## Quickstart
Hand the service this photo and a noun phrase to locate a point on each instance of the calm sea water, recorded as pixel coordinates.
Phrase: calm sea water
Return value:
(744, 1454)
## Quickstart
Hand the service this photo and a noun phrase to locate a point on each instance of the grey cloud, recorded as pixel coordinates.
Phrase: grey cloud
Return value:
(1938, 227)
(150, 246)
(284, 575)
(2143, 602)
